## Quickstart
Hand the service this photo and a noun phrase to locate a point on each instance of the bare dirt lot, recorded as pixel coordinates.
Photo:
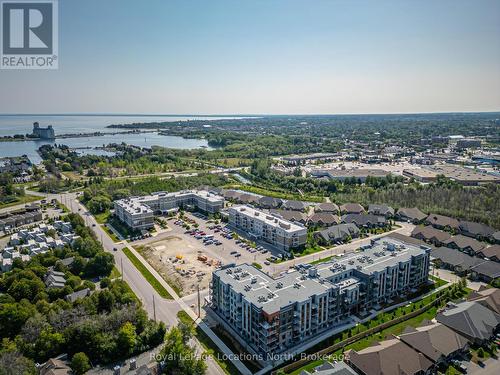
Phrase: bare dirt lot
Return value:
(182, 263)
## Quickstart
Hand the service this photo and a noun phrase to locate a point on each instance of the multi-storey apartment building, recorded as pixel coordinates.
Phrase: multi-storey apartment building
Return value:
(283, 234)
(138, 212)
(273, 315)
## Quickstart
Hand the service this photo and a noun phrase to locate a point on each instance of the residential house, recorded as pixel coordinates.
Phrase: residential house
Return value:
(328, 368)
(472, 320)
(72, 297)
(365, 220)
(411, 214)
(466, 244)
(390, 357)
(323, 219)
(337, 234)
(55, 366)
(270, 202)
(381, 210)
(491, 252)
(453, 260)
(488, 297)
(294, 205)
(327, 207)
(352, 208)
(436, 341)
(55, 279)
(293, 216)
(476, 230)
(430, 235)
(442, 222)
(486, 271)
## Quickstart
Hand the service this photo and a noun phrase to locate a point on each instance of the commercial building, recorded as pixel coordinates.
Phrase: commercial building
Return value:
(138, 212)
(358, 174)
(464, 176)
(281, 233)
(273, 315)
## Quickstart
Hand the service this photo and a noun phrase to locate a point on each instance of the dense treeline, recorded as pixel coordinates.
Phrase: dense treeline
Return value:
(128, 161)
(480, 204)
(37, 323)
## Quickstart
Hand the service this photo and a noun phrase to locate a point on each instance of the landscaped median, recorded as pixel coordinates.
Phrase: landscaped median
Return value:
(160, 289)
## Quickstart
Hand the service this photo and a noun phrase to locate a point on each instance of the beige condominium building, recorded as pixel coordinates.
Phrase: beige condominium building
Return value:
(138, 212)
(282, 234)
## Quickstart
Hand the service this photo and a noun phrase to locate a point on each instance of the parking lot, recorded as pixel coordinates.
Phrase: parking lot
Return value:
(191, 248)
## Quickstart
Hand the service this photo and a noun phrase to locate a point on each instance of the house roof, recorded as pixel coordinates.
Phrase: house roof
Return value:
(270, 202)
(338, 232)
(352, 208)
(455, 258)
(412, 213)
(72, 297)
(492, 251)
(364, 219)
(443, 221)
(429, 233)
(327, 207)
(477, 229)
(290, 215)
(380, 209)
(54, 367)
(326, 218)
(488, 268)
(489, 298)
(464, 242)
(390, 357)
(470, 319)
(434, 340)
(328, 368)
(294, 205)
(410, 240)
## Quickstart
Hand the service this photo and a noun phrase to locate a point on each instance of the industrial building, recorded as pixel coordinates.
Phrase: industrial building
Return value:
(138, 212)
(281, 233)
(273, 315)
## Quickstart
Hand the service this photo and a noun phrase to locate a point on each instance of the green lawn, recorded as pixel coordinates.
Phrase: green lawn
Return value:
(110, 233)
(27, 198)
(274, 193)
(393, 330)
(322, 260)
(102, 217)
(147, 274)
(114, 273)
(209, 345)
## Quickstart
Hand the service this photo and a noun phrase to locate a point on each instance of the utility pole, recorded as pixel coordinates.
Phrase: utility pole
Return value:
(199, 302)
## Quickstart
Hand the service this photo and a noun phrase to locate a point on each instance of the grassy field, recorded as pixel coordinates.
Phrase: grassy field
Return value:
(209, 345)
(21, 200)
(102, 217)
(114, 273)
(147, 274)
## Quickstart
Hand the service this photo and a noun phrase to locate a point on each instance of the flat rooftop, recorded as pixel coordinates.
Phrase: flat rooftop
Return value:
(268, 218)
(272, 294)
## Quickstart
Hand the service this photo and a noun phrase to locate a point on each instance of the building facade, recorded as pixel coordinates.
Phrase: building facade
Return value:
(275, 315)
(43, 133)
(138, 212)
(281, 233)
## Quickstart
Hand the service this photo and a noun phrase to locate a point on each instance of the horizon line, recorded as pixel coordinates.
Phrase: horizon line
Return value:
(112, 114)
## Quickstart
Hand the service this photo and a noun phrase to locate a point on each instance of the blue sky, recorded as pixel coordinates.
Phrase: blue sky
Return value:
(266, 56)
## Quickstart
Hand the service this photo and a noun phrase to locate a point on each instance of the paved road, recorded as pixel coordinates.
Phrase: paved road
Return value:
(450, 276)
(153, 303)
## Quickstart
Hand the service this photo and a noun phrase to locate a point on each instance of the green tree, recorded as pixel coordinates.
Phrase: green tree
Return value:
(80, 363)
(127, 338)
(179, 357)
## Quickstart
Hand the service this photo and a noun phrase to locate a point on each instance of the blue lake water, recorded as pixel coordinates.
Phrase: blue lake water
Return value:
(10, 125)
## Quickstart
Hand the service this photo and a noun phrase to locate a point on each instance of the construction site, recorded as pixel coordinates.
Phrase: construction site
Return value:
(181, 263)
